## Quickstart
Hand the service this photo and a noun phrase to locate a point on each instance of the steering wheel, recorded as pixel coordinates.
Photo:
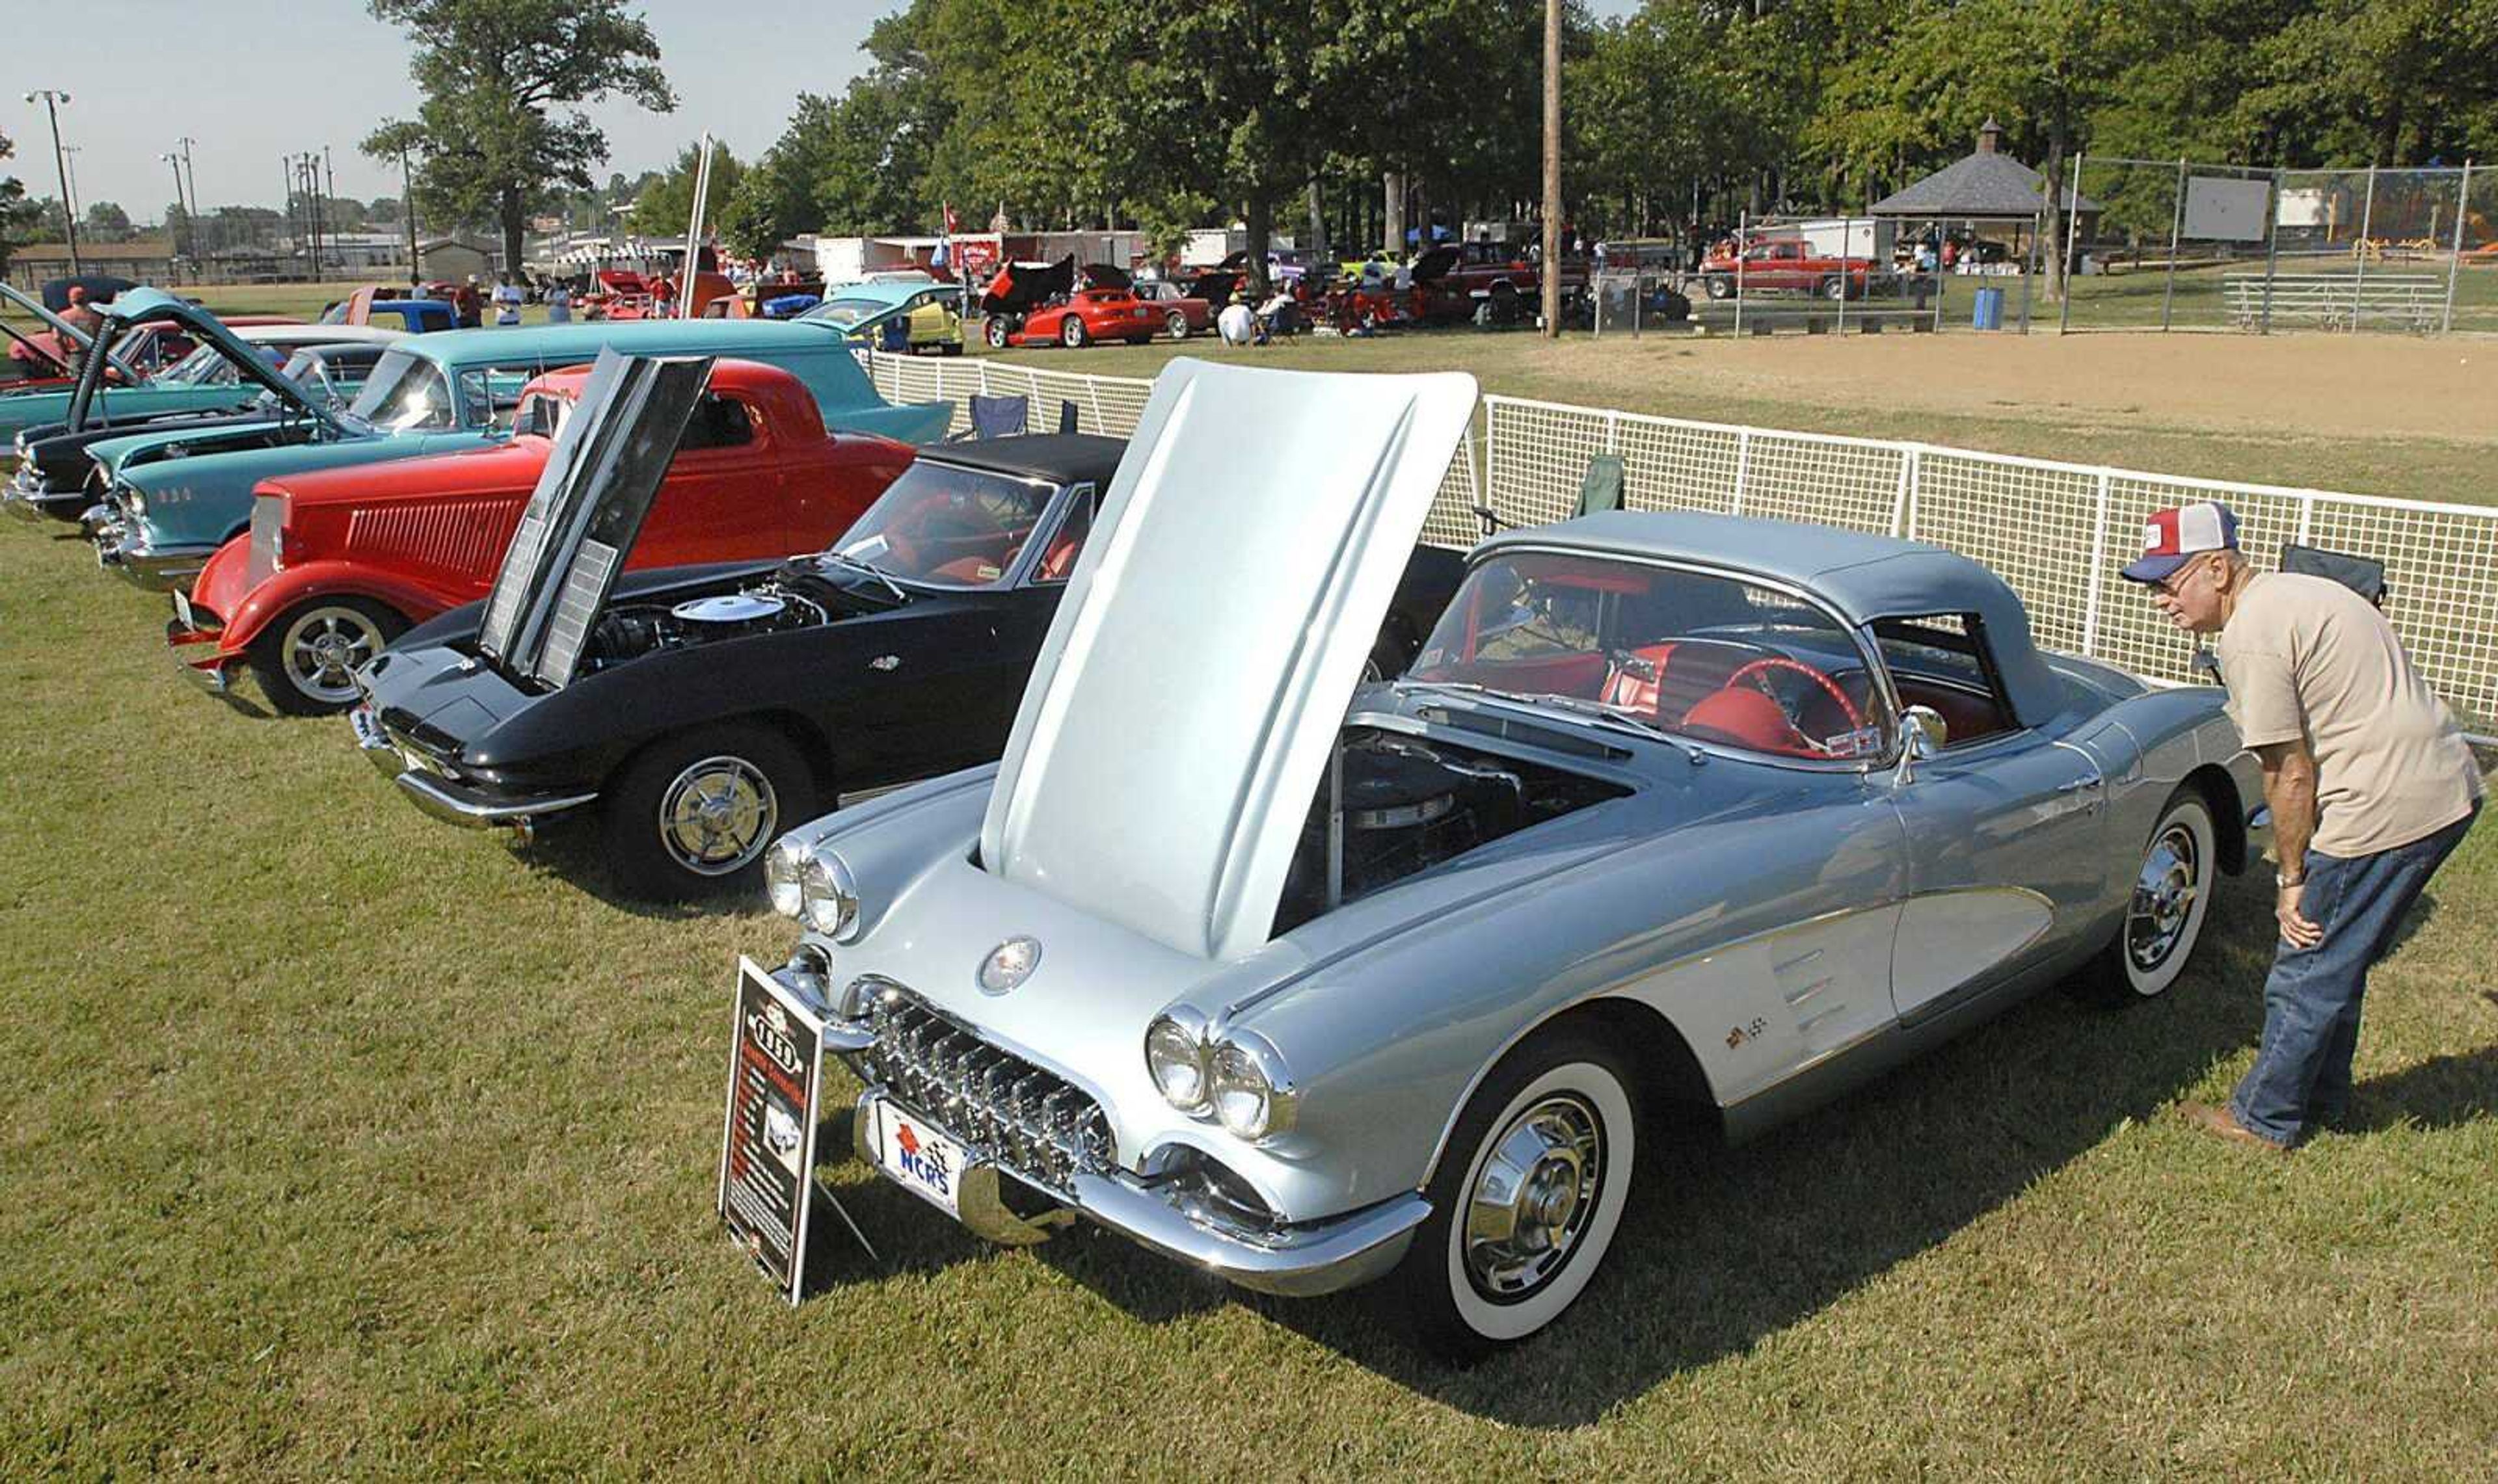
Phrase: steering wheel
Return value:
(1767, 662)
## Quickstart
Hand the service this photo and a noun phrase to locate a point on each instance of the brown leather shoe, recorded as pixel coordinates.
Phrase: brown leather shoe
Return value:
(2222, 1123)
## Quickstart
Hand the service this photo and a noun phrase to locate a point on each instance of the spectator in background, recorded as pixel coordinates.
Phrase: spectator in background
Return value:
(507, 302)
(558, 304)
(81, 314)
(1238, 323)
(466, 305)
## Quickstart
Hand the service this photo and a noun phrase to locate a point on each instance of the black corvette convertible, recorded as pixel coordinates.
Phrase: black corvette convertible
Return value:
(698, 712)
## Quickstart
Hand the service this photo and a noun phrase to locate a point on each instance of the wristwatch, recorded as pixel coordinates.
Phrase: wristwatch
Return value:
(2286, 881)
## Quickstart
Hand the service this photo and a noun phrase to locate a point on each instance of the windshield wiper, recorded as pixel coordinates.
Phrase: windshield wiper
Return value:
(1594, 710)
(874, 571)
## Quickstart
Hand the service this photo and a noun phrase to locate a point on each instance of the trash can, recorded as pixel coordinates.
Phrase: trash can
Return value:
(1988, 313)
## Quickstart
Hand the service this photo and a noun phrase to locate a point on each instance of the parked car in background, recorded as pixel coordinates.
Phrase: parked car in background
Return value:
(1184, 313)
(61, 473)
(377, 304)
(1308, 985)
(439, 393)
(46, 359)
(336, 563)
(206, 378)
(929, 313)
(1781, 265)
(1058, 304)
(697, 712)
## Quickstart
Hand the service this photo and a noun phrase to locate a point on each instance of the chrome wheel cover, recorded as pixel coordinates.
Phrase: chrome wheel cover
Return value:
(716, 815)
(322, 649)
(2163, 896)
(1071, 330)
(1532, 1197)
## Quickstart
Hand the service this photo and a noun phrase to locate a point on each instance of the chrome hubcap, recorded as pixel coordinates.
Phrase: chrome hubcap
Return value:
(323, 650)
(2163, 898)
(1533, 1200)
(717, 816)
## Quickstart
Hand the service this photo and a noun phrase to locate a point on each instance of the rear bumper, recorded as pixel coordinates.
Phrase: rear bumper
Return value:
(454, 801)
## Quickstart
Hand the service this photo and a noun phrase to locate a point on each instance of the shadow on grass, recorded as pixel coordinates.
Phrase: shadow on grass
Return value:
(568, 848)
(2441, 1093)
(1720, 1247)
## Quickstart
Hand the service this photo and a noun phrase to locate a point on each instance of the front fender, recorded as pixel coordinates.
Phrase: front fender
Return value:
(912, 423)
(414, 601)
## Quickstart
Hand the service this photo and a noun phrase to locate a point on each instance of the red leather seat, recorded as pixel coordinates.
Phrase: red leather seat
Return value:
(1060, 559)
(1748, 717)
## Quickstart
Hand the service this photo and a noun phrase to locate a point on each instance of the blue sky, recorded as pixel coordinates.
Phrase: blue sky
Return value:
(253, 80)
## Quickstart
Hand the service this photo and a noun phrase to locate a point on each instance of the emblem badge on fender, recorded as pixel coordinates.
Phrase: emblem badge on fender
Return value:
(1010, 964)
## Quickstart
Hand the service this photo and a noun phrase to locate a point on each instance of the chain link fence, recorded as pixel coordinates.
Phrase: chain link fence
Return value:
(2174, 244)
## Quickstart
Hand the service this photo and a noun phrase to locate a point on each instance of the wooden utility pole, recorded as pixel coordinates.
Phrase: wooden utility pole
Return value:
(1551, 274)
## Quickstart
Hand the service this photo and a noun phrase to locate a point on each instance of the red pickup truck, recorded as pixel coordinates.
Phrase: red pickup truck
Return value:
(1782, 265)
(336, 563)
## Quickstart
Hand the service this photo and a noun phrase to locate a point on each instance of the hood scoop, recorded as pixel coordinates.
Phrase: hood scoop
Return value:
(1167, 747)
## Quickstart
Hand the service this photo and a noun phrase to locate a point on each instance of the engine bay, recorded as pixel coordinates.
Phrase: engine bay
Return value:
(628, 630)
(1409, 804)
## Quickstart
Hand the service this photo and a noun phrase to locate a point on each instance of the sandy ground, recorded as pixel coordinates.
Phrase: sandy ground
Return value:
(2359, 386)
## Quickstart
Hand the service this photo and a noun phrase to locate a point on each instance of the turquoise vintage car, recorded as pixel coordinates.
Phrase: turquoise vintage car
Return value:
(456, 389)
(932, 310)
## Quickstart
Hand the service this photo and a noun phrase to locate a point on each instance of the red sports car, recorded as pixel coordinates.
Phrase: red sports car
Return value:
(1039, 304)
(336, 563)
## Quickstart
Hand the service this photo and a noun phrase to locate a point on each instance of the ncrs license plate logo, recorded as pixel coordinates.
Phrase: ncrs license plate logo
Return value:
(918, 1158)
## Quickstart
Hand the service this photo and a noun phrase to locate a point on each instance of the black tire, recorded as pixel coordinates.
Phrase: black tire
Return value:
(950, 347)
(995, 331)
(1721, 288)
(1833, 289)
(1071, 333)
(304, 659)
(2166, 909)
(1466, 1296)
(756, 787)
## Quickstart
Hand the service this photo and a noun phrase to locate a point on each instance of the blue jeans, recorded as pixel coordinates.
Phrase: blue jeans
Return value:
(2302, 1074)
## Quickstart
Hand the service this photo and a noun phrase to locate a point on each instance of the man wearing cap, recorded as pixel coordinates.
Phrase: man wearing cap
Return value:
(2370, 784)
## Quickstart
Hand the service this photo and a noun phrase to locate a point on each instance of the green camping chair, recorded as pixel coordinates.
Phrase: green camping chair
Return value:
(1599, 490)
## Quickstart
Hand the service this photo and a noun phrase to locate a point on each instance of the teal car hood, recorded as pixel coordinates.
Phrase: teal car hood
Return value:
(208, 497)
(110, 455)
(34, 409)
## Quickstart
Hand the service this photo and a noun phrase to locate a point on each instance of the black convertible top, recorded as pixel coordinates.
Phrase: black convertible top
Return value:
(1062, 458)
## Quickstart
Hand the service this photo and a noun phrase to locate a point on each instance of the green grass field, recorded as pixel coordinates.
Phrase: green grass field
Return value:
(341, 1142)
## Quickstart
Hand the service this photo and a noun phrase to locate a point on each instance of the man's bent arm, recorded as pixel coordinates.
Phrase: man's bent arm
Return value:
(2289, 791)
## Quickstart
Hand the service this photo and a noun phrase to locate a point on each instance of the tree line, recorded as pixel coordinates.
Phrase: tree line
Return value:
(1353, 118)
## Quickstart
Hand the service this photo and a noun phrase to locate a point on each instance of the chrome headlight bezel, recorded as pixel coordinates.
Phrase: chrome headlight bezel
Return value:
(1252, 1091)
(781, 864)
(828, 896)
(1179, 1061)
(133, 502)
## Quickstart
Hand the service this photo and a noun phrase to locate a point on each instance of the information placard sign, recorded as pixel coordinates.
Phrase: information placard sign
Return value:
(767, 1156)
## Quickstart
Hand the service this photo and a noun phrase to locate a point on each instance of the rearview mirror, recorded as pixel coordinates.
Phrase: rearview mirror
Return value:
(1922, 734)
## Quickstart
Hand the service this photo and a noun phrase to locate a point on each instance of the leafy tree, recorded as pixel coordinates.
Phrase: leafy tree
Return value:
(501, 132)
(108, 221)
(665, 206)
(19, 216)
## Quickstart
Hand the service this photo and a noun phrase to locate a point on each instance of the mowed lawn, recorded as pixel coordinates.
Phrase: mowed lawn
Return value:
(341, 1142)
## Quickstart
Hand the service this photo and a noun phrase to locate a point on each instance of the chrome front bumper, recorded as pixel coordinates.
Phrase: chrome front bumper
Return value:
(127, 555)
(449, 798)
(1168, 1215)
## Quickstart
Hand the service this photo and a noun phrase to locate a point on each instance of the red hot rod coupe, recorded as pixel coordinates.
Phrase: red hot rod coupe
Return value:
(336, 563)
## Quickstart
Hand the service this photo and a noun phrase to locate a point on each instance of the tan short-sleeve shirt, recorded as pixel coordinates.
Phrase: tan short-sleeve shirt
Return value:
(2307, 657)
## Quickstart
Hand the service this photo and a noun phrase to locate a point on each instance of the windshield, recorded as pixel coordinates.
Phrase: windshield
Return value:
(953, 526)
(405, 393)
(206, 366)
(847, 312)
(1710, 657)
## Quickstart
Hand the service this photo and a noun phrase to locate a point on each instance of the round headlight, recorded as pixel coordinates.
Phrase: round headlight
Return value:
(780, 867)
(1253, 1094)
(1175, 1055)
(828, 898)
(135, 503)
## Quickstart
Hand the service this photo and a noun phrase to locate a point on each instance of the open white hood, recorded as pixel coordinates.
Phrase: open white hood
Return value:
(1182, 713)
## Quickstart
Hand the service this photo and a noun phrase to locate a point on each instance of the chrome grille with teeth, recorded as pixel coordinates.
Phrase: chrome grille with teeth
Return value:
(1037, 1125)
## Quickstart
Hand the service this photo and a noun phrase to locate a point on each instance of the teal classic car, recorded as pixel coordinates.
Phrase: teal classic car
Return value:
(928, 311)
(456, 389)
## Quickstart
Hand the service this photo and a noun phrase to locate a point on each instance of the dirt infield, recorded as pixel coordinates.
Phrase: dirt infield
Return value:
(2366, 387)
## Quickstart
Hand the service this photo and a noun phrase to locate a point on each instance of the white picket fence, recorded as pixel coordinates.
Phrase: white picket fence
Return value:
(2056, 531)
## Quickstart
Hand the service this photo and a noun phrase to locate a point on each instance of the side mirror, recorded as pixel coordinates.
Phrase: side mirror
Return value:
(1922, 734)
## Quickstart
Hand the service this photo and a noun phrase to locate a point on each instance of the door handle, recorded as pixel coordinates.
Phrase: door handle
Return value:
(2077, 785)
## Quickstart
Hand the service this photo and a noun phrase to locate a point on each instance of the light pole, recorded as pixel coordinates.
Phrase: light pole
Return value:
(407, 213)
(191, 204)
(54, 98)
(175, 161)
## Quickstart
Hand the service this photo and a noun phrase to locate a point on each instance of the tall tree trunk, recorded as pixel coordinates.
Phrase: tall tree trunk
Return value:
(1393, 203)
(1317, 245)
(515, 222)
(1259, 220)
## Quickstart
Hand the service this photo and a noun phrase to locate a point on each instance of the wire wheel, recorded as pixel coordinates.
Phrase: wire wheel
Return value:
(716, 815)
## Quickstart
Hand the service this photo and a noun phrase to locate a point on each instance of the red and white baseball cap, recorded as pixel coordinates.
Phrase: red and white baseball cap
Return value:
(2173, 537)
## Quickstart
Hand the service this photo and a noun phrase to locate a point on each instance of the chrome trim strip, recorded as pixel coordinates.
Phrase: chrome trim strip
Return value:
(459, 805)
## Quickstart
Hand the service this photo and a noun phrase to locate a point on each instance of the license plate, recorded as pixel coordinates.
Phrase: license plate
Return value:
(183, 609)
(919, 1157)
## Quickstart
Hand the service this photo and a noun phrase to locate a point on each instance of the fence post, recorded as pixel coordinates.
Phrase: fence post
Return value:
(1613, 433)
(1742, 465)
(2272, 246)
(1900, 495)
(2073, 230)
(1742, 244)
(2099, 570)
(2306, 517)
(2367, 219)
(2454, 257)
(2176, 225)
(1093, 385)
(1911, 478)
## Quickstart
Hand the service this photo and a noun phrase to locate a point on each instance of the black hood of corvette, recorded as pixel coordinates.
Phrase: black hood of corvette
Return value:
(581, 521)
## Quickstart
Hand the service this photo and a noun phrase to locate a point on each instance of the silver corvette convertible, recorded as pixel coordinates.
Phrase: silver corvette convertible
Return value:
(1310, 982)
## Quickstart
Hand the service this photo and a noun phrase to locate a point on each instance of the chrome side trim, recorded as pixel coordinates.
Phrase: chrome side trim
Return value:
(461, 804)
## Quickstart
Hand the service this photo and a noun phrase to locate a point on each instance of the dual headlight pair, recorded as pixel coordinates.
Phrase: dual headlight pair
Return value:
(814, 887)
(1239, 1081)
